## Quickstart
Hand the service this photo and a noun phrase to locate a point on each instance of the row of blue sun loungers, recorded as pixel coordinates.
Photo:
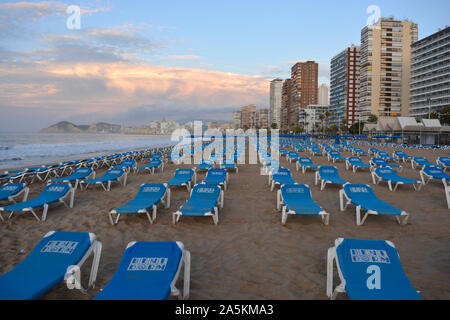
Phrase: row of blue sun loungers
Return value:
(150, 270)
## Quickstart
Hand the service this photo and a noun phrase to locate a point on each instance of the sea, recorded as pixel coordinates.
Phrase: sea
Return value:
(20, 149)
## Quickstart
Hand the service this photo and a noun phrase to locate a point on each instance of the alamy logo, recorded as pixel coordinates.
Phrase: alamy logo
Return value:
(66, 247)
(369, 255)
(147, 264)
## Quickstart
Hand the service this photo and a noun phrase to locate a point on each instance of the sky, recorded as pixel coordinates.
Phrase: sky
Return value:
(131, 62)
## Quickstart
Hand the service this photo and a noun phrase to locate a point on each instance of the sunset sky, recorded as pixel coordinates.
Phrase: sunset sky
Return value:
(132, 62)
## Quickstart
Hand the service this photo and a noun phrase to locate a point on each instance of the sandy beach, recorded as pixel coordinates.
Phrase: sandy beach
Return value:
(249, 254)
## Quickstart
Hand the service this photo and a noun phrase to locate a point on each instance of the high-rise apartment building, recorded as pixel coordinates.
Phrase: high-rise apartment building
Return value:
(304, 77)
(261, 118)
(344, 82)
(236, 119)
(247, 116)
(430, 74)
(286, 103)
(275, 102)
(385, 68)
(323, 95)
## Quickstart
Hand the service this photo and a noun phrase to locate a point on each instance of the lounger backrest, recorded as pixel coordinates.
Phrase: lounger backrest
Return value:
(421, 160)
(378, 161)
(434, 172)
(55, 190)
(216, 172)
(372, 271)
(445, 160)
(82, 172)
(281, 172)
(184, 172)
(297, 191)
(114, 172)
(358, 191)
(328, 171)
(305, 160)
(151, 190)
(154, 162)
(12, 188)
(293, 154)
(128, 163)
(354, 160)
(385, 172)
(205, 192)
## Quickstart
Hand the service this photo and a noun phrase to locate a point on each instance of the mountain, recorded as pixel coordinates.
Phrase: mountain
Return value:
(62, 127)
(68, 127)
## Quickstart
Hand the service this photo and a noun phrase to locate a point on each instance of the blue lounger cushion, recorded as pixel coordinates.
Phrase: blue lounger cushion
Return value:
(79, 174)
(45, 266)
(181, 177)
(358, 259)
(297, 198)
(148, 195)
(362, 195)
(215, 176)
(203, 199)
(145, 272)
(10, 190)
(110, 175)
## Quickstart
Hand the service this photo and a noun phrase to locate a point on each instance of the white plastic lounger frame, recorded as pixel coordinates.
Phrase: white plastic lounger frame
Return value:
(122, 180)
(427, 178)
(70, 193)
(284, 212)
(215, 215)
(359, 221)
(447, 192)
(25, 190)
(331, 259)
(73, 273)
(376, 179)
(165, 199)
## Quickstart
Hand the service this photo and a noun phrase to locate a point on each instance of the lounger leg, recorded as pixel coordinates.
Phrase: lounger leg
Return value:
(95, 263)
(283, 216)
(1, 217)
(330, 264)
(326, 218)
(44, 213)
(216, 215)
(155, 208)
(187, 274)
(111, 218)
(278, 199)
(168, 195)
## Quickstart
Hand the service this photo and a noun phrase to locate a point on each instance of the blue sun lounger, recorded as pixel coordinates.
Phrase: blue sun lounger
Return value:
(76, 177)
(328, 174)
(335, 156)
(315, 151)
(359, 152)
(147, 198)
(52, 193)
(151, 166)
(400, 154)
(362, 196)
(391, 177)
(10, 191)
(355, 163)
(217, 176)
(204, 201)
(305, 163)
(57, 257)
(292, 156)
(110, 176)
(429, 173)
(229, 164)
(368, 270)
(381, 163)
(204, 165)
(127, 165)
(421, 162)
(295, 199)
(280, 176)
(444, 162)
(183, 177)
(149, 271)
(386, 156)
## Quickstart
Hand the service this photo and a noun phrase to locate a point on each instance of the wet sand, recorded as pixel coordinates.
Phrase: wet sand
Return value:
(249, 254)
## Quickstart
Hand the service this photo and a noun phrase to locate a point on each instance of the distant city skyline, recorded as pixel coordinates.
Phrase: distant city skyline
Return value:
(135, 62)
